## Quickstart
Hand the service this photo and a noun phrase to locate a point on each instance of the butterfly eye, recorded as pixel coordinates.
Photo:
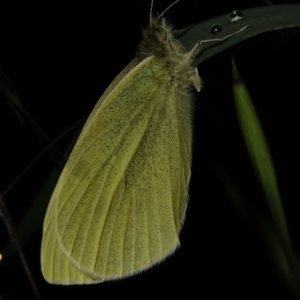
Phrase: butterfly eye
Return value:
(161, 33)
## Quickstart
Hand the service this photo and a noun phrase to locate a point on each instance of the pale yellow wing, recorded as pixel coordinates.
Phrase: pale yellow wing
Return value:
(120, 201)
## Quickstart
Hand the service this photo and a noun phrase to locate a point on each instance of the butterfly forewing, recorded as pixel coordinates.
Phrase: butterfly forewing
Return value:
(111, 214)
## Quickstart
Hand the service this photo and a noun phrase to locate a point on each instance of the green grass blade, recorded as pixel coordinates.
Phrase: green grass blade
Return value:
(259, 151)
(263, 165)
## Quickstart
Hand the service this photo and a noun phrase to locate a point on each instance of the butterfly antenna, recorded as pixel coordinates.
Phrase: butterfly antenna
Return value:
(167, 9)
(151, 7)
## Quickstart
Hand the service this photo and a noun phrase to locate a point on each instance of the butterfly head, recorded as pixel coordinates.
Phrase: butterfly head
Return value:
(156, 38)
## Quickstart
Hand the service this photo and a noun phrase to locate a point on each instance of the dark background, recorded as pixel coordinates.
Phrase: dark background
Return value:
(61, 56)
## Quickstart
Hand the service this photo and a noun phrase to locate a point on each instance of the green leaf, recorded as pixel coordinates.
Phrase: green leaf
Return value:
(260, 19)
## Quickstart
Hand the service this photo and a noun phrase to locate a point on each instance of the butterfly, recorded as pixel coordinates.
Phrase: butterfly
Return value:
(120, 201)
